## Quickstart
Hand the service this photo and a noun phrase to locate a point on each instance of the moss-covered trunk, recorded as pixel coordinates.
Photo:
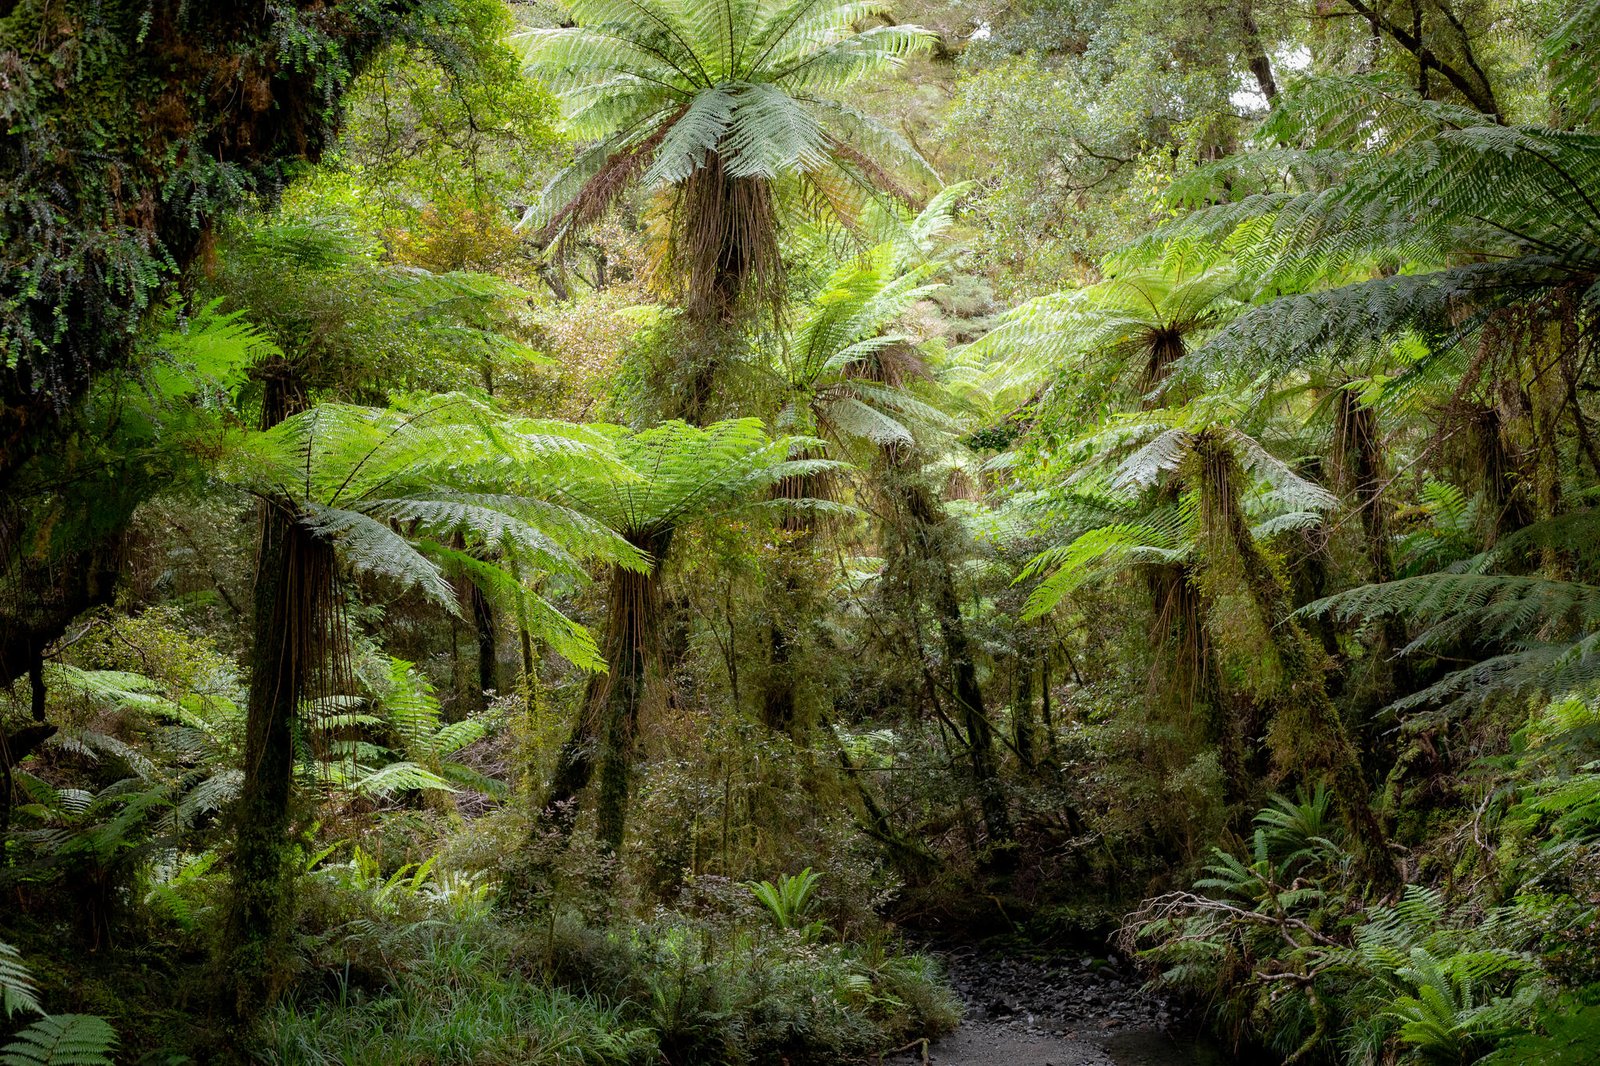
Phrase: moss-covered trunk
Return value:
(629, 633)
(928, 534)
(778, 706)
(294, 606)
(602, 740)
(293, 598)
(1359, 462)
(1022, 731)
(1306, 733)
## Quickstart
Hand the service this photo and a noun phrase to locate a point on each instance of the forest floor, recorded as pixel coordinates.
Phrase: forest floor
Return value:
(1066, 1009)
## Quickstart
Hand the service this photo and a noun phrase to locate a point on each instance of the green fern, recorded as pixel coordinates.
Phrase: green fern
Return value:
(445, 487)
(1482, 215)
(1568, 1035)
(1570, 51)
(17, 990)
(675, 473)
(62, 1040)
(790, 900)
(1550, 629)
(746, 95)
(1125, 334)
(410, 747)
(1148, 450)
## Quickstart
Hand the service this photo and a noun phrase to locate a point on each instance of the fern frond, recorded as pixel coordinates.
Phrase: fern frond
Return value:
(62, 1040)
(17, 990)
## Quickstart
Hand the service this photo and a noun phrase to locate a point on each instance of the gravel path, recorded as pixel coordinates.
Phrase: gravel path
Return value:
(1054, 1010)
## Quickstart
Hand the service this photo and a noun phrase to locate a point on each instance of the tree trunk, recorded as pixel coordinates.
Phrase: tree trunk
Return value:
(294, 606)
(927, 531)
(1022, 736)
(293, 600)
(602, 740)
(1256, 55)
(1306, 733)
(1046, 715)
(1505, 505)
(778, 696)
(629, 634)
(488, 665)
(1359, 460)
(969, 704)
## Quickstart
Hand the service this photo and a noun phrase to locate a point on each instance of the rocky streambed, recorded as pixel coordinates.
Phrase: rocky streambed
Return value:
(1057, 1009)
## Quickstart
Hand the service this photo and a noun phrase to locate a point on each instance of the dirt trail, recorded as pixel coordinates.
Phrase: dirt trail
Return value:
(1066, 1009)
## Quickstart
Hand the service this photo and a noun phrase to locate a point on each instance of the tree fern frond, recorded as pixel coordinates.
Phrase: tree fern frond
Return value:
(62, 1040)
(399, 777)
(17, 990)
(1570, 51)
(370, 547)
(1094, 554)
(209, 796)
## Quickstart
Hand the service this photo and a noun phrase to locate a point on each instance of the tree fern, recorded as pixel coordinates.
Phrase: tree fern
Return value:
(394, 491)
(839, 368)
(1521, 614)
(1148, 449)
(714, 101)
(675, 473)
(402, 745)
(1126, 332)
(1477, 214)
(1570, 51)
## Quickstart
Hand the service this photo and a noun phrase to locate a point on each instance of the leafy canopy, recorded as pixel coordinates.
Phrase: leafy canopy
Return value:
(675, 473)
(444, 486)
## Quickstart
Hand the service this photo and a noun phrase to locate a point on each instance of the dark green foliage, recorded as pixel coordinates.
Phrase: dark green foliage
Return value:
(130, 127)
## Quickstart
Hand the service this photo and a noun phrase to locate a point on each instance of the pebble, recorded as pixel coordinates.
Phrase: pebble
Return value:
(1054, 993)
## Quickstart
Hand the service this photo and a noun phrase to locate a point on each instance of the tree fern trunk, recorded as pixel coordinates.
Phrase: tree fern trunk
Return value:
(1022, 732)
(294, 607)
(488, 654)
(1306, 734)
(602, 740)
(963, 670)
(1359, 462)
(1046, 715)
(293, 604)
(778, 695)
(630, 632)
